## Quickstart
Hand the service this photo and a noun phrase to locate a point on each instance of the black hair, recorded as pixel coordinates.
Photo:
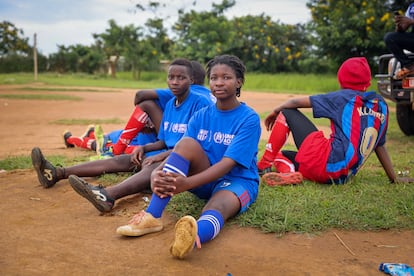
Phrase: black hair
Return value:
(234, 62)
(199, 74)
(186, 63)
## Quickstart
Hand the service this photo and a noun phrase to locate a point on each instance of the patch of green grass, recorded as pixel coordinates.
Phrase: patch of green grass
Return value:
(291, 82)
(123, 80)
(64, 89)
(112, 178)
(16, 162)
(69, 122)
(25, 162)
(53, 97)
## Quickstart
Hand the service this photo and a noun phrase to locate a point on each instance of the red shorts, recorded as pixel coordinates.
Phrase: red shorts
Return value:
(312, 157)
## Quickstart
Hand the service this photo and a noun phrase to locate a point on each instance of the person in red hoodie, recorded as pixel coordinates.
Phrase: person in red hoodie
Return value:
(359, 122)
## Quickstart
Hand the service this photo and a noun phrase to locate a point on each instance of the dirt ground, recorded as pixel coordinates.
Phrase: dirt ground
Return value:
(56, 232)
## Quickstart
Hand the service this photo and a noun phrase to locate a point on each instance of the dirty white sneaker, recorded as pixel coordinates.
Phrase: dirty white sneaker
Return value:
(185, 237)
(141, 224)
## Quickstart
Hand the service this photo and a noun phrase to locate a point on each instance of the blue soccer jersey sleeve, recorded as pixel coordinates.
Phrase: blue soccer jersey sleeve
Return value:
(164, 95)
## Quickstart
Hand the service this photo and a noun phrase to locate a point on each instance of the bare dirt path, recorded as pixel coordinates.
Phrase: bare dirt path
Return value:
(56, 232)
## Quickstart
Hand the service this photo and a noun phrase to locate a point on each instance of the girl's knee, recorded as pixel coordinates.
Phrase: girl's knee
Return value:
(186, 145)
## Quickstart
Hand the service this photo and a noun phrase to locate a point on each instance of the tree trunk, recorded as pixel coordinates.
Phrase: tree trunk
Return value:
(112, 65)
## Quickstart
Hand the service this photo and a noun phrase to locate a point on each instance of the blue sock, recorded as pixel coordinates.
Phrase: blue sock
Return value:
(209, 225)
(157, 205)
(177, 164)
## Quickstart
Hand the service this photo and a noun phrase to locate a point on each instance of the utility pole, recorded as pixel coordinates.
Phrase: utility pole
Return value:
(35, 57)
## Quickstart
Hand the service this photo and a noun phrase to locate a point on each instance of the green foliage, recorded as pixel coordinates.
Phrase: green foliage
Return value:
(13, 62)
(350, 28)
(15, 53)
(202, 35)
(12, 40)
(263, 45)
(338, 30)
(77, 58)
(266, 46)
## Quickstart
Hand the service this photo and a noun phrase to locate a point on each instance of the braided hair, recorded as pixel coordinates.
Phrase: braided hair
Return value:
(232, 61)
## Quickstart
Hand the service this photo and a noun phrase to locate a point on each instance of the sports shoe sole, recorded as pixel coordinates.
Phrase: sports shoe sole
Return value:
(81, 187)
(282, 179)
(264, 171)
(185, 237)
(42, 175)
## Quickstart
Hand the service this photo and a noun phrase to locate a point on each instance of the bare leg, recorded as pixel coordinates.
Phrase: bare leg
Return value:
(120, 163)
(225, 202)
(133, 184)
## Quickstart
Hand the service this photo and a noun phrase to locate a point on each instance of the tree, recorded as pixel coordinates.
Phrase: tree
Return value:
(157, 37)
(346, 28)
(203, 35)
(115, 40)
(12, 40)
(146, 53)
(77, 58)
(268, 46)
(16, 55)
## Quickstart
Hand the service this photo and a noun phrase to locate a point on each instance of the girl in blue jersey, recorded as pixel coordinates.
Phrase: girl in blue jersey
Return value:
(215, 160)
(359, 123)
(150, 105)
(150, 102)
(177, 113)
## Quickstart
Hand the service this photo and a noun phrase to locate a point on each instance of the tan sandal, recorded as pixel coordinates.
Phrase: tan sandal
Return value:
(404, 72)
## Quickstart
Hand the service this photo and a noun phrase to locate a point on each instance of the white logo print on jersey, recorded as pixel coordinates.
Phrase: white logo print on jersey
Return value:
(202, 135)
(175, 127)
(222, 138)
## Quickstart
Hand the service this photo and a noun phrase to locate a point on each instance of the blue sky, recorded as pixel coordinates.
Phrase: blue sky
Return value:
(63, 22)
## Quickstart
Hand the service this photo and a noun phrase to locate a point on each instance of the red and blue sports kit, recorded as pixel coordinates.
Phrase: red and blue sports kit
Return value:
(339, 157)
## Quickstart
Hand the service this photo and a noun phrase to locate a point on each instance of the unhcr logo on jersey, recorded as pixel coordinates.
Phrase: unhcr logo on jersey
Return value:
(223, 138)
